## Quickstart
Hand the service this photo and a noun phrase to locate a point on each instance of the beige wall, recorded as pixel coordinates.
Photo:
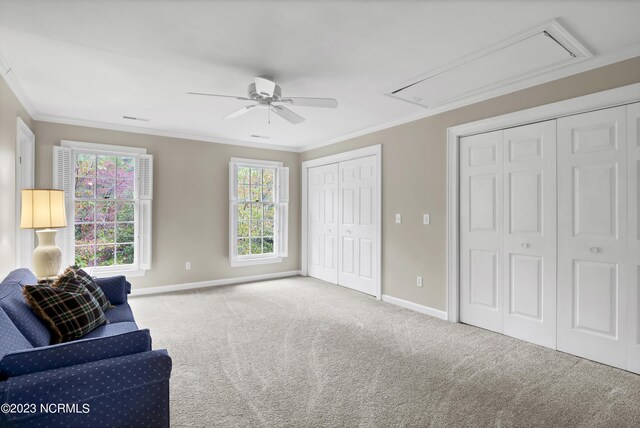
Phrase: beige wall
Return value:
(190, 201)
(10, 110)
(414, 178)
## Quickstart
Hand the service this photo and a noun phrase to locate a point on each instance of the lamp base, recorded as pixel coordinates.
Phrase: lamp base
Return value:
(47, 256)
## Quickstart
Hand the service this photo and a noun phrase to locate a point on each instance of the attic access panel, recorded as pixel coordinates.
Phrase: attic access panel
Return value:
(524, 56)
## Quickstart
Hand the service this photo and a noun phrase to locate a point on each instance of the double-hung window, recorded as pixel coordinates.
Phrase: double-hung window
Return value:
(258, 211)
(108, 202)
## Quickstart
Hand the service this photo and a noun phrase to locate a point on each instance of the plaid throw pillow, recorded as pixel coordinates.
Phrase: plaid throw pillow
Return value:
(75, 275)
(70, 313)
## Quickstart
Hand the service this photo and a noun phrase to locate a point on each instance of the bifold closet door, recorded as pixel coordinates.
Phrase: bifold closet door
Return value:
(481, 237)
(633, 159)
(323, 222)
(530, 233)
(508, 232)
(357, 247)
(592, 236)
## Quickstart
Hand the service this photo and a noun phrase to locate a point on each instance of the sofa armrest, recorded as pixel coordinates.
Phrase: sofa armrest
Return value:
(115, 288)
(96, 389)
(72, 353)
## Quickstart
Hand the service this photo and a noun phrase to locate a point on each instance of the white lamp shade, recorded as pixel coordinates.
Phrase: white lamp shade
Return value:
(43, 208)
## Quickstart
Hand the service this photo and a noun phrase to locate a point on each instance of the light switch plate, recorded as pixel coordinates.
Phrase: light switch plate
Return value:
(426, 218)
(419, 281)
(398, 218)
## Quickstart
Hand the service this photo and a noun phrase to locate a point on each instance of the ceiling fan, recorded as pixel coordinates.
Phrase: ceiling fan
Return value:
(267, 95)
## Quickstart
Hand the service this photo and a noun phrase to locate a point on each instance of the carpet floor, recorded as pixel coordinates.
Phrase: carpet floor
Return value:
(298, 352)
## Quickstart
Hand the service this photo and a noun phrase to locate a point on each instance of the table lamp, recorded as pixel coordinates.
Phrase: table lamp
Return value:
(43, 209)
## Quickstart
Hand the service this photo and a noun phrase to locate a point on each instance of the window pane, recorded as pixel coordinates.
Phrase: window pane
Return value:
(124, 232)
(125, 211)
(268, 245)
(256, 228)
(256, 211)
(243, 175)
(85, 165)
(243, 229)
(124, 189)
(256, 176)
(84, 211)
(84, 234)
(243, 247)
(125, 168)
(105, 211)
(268, 228)
(267, 194)
(243, 192)
(244, 212)
(256, 245)
(256, 193)
(269, 211)
(105, 255)
(85, 256)
(85, 188)
(267, 177)
(106, 188)
(105, 233)
(124, 254)
(107, 166)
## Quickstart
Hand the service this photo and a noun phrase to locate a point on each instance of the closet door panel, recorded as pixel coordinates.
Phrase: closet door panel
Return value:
(592, 236)
(481, 213)
(357, 221)
(633, 314)
(529, 173)
(323, 222)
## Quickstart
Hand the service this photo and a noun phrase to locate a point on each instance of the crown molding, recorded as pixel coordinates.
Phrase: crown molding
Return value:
(161, 133)
(12, 82)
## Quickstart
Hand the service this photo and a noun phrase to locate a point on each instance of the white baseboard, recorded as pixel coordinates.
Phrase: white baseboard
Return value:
(415, 307)
(211, 283)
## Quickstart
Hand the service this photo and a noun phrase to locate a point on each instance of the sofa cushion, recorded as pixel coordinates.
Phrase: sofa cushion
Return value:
(21, 276)
(70, 313)
(13, 303)
(69, 354)
(11, 340)
(115, 287)
(112, 329)
(120, 313)
(75, 275)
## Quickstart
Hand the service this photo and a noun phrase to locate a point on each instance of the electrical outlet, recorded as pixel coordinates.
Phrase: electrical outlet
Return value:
(398, 218)
(426, 219)
(187, 265)
(419, 281)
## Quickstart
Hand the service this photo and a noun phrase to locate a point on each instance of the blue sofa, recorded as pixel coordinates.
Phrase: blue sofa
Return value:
(109, 378)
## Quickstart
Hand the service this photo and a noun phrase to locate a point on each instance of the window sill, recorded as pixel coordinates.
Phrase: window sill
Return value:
(129, 273)
(256, 261)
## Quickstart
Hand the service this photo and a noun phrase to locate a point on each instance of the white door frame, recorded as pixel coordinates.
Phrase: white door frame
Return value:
(611, 98)
(24, 135)
(376, 151)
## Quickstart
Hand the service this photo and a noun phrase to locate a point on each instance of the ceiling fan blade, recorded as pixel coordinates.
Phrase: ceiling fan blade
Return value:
(240, 112)
(311, 102)
(287, 114)
(265, 87)
(216, 95)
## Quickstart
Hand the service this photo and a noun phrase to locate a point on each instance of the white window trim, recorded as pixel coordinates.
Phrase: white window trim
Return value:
(234, 261)
(135, 270)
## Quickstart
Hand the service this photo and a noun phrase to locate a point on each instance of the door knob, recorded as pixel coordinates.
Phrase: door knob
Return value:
(328, 230)
(594, 250)
(525, 245)
(348, 231)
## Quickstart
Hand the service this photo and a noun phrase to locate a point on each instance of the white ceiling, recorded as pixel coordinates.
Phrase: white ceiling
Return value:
(91, 62)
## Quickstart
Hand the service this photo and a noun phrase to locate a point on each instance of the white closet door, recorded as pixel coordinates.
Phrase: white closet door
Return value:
(592, 235)
(323, 222)
(357, 208)
(481, 237)
(529, 262)
(633, 150)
